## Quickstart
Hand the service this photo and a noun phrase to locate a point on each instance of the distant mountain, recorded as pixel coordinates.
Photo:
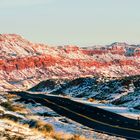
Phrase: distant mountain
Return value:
(24, 64)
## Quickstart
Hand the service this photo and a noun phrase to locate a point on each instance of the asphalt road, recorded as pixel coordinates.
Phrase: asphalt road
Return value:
(98, 119)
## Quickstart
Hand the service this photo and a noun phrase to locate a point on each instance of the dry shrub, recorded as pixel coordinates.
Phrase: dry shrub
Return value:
(8, 106)
(77, 137)
(16, 108)
(20, 109)
(44, 127)
(91, 100)
(64, 136)
(7, 136)
(1, 112)
(11, 117)
(10, 96)
(61, 136)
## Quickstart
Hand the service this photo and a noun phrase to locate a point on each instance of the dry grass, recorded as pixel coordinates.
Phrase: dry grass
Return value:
(91, 100)
(60, 136)
(1, 112)
(10, 96)
(8, 106)
(16, 131)
(20, 109)
(48, 130)
(6, 136)
(43, 126)
(11, 117)
(14, 107)
(32, 117)
(40, 127)
(64, 136)
(77, 137)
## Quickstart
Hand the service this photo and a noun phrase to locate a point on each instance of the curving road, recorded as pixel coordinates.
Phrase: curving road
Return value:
(98, 119)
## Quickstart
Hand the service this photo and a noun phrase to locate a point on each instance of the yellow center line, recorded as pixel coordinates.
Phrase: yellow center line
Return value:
(91, 118)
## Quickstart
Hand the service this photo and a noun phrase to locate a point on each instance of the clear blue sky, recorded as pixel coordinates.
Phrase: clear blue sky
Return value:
(79, 22)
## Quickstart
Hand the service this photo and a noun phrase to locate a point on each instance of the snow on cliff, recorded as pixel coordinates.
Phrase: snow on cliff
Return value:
(24, 64)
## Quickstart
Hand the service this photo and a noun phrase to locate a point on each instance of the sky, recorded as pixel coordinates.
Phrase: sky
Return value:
(74, 22)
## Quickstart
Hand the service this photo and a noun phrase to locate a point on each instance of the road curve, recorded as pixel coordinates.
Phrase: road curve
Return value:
(98, 119)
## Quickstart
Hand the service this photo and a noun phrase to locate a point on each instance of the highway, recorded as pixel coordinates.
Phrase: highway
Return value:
(98, 119)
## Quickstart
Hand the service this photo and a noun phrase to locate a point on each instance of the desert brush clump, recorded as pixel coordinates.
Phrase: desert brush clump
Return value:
(11, 117)
(48, 130)
(20, 109)
(41, 126)
(7, 136)
(14, 107)
(12, 130)
(1, 112)
(8, 106)
(64, 136)
(77, 137)
(10, 97)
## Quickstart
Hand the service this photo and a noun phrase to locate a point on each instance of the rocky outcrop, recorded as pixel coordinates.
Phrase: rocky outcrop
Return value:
(123, 91)
(23, 64)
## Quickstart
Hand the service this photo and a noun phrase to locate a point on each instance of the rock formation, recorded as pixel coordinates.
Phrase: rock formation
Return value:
(23, 64)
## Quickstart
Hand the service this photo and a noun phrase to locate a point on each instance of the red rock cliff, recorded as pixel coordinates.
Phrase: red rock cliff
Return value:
(23, 64)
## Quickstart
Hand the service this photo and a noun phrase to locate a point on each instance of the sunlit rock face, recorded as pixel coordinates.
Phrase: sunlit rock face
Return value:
(23, 64)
